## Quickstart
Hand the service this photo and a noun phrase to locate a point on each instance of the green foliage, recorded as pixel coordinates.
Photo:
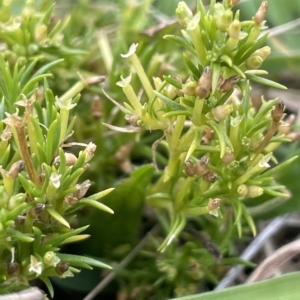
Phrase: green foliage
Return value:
(195, 122)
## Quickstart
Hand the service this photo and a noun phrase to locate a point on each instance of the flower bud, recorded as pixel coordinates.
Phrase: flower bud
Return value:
(213, 206)
(189, 88)
(189, 168)
(13, 269)
(132, 119)
(201, 168)
(225, 20)
(277, 112)
(62, 267)
(96, 108)
(70, 159)
(51, 259)
(207, 137)
(204, 83)
(70, 200)
(260, 15)
(15, 169)
(210, 176)
(222, 111)
(183, 13)
(234, 29)
(229, 83)
(228, 158)
(213, 203)
(254, 191)
(36, 210)
(16, 200)
(40, 33)
(170, 91)
(257, 58)
(82, 189)
(242, 190)
(89, 151)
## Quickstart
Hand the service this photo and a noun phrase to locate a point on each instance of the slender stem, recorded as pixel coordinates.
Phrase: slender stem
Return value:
(197, 111)
(26, 156)
(142, 75)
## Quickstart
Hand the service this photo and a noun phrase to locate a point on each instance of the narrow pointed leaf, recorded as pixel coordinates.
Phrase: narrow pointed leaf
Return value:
(77, 260)
(57, 216)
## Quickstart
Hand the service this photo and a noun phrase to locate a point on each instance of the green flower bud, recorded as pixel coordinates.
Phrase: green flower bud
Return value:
(218, 10)
(222, 111)
(228, 158)
(170, 91)
(16, 200)
(51, 259)
(258, 57)
(242, 190)
(225, 20)
(183, 13)
(234, 29)
(254, 191)
(189, 88)
(40, 33)
(213, 206)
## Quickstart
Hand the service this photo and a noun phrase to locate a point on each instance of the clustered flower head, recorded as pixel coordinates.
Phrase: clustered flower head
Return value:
(216, 140)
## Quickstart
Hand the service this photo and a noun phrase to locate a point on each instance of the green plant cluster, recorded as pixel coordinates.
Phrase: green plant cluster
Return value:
(219, 146)
(40, 189)
(211, 148)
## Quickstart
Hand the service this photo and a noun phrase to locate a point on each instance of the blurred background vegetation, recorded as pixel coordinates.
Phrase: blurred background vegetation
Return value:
(92, 38)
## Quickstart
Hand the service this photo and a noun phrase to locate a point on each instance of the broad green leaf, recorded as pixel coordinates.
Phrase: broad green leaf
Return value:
(283, 287)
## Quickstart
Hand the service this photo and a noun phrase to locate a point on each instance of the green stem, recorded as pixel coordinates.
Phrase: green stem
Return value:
(176, 133)
(142, 75)
(132, 98)
(26, 156)
(197, 111)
